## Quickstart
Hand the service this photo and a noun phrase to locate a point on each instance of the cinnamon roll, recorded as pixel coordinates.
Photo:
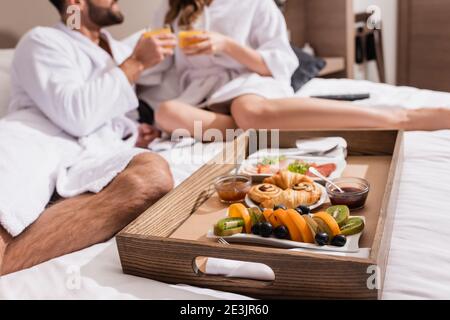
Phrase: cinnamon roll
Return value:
(307, 193)
(264, 192)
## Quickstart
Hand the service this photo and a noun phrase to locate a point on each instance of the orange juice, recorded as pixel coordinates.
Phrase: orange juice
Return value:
(185, 38)
(157, 32)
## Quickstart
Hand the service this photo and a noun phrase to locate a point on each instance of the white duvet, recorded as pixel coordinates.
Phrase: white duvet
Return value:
(420, 255)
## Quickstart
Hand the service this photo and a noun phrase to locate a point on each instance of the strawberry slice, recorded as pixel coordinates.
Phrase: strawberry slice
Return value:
(325, 169)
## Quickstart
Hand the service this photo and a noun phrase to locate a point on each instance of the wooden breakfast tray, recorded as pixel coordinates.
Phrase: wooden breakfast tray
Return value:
(165, 242)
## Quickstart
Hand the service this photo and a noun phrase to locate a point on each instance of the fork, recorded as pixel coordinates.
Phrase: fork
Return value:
(223, 241)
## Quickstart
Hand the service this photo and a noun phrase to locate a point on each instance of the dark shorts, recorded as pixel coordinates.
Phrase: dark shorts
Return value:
(146, 113)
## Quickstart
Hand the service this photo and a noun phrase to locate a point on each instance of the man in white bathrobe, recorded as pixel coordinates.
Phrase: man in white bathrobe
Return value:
(67, 131)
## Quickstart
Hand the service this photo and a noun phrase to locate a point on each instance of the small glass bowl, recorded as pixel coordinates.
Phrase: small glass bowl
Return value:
(233, 188)
(355, 193)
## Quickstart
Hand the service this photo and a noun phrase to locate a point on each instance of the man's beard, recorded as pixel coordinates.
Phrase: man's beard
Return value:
(104, 17)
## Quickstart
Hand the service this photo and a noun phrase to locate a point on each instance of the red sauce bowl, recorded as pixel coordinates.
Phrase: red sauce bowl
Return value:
(356, 191)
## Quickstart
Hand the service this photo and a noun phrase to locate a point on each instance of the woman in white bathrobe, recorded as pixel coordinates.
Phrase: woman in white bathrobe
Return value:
(239, 76)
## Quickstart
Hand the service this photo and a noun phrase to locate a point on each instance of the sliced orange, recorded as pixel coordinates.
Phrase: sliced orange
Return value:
(294, 232)
(238, 210)
(272, 218)
(275, 221)
(267, 214)
(330, 222)
(301, 225)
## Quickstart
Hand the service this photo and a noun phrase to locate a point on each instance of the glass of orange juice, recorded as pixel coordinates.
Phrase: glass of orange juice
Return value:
(186, 37)
(156, 32)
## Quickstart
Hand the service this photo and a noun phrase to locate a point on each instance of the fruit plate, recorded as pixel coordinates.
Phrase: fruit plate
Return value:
(352, 245)
(248, 167)
(323, 198)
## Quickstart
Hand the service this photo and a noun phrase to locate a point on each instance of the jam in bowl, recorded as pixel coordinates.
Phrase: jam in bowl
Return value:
(233, 188)
(355, 192)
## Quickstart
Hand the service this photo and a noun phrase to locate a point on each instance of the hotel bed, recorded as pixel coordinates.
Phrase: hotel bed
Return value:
(419, 257)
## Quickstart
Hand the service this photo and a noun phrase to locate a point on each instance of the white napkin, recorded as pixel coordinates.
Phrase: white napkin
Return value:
(329, 148)
(239, 269)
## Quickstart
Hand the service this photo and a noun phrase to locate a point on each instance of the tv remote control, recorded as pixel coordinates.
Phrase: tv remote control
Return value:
(344, 97)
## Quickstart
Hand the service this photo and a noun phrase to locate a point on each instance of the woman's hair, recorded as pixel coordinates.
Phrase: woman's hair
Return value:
(187, 10)
(59, 4)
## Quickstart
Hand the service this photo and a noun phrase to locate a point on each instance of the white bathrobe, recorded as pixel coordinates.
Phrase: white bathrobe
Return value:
(66, 128)
(208, 80)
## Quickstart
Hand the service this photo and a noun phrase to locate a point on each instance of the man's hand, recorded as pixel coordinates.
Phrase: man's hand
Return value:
(147, 134)
(151, 51)
(208, 43)
(148, 52)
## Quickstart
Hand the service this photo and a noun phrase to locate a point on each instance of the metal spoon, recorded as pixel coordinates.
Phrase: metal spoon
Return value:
(318, 174)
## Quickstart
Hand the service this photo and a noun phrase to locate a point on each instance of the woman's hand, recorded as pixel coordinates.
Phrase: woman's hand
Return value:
(147, 134)
(208, 43)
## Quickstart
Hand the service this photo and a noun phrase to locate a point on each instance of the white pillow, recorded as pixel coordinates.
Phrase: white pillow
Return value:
(4, 92)
(5, 85)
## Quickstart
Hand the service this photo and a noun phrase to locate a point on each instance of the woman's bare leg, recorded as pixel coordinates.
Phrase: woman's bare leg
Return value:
(427, 119)
(253, 111)
(80, 222)
(174, 115)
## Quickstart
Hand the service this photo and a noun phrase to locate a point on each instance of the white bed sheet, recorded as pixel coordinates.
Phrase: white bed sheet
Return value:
(420, 254)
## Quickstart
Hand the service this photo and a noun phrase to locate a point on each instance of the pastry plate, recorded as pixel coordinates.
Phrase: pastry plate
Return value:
(248, 167)
(352, 245)
(323, 198)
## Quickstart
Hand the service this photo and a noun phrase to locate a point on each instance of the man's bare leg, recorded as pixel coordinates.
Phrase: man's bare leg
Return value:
(5, 238)
(83, 221)
(252, 111)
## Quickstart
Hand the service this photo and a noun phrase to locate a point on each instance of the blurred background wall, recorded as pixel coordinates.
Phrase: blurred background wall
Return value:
(18, 16)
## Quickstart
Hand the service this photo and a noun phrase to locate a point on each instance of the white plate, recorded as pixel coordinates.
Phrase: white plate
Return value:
(352, 245)
(247, 165)
(323, 198)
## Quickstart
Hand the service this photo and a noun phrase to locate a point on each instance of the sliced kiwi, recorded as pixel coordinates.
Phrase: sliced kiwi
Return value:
(228, 227)
(353, 226)
(323, 227)
(227, 233)
(340, 214)
(313, 226)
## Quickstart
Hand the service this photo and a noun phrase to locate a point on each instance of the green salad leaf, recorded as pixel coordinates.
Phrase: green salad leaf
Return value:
(299, 167)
